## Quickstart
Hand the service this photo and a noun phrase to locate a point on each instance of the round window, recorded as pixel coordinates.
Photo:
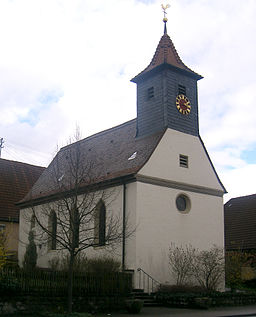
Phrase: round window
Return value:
(183, 203)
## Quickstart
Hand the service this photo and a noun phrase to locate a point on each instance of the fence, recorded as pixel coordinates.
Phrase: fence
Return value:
(49, 283)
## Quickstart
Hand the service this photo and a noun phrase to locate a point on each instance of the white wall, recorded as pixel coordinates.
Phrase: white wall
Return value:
(114, 205)
(159, 221)
(160, 224)
(164, 162)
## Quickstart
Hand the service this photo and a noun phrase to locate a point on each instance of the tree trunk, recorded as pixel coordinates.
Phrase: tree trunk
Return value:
(70, 281)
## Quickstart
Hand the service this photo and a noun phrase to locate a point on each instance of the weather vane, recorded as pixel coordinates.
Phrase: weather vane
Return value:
(165, 7)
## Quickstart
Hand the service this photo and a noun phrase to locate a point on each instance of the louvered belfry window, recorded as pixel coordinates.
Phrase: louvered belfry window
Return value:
(183, 161)
(150, 94)
(181, 90)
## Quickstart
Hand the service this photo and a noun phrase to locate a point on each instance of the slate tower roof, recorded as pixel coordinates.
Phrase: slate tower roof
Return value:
(166, 54)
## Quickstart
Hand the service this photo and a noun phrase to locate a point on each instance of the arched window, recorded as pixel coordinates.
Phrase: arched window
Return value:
(100, 224)
(52, 225)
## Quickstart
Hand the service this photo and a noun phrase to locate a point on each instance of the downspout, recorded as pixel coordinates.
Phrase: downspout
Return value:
(124, 226)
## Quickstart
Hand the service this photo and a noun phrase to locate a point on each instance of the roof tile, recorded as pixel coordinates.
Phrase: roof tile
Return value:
(107, 153)
(240, 223)
(16, 179)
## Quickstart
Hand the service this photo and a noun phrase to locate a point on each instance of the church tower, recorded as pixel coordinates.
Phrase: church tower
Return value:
(167, 92)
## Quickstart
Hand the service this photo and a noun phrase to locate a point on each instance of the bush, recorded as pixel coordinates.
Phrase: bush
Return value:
(165, 288)
(134, 306)
(30, 257)
(82, 264)
(250, 283)
(103, 265)
(235, 260)
(205, 267)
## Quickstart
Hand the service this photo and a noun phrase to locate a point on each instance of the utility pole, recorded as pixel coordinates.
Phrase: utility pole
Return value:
(1, 145)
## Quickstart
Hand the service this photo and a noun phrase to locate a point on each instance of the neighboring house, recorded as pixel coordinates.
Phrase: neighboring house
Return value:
(240, 223)
(16, 179)
(159, 166)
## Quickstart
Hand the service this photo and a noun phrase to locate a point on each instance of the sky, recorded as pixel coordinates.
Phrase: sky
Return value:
(68, 63)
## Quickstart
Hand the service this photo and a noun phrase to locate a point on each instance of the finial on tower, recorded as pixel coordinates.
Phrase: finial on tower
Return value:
(165, 7)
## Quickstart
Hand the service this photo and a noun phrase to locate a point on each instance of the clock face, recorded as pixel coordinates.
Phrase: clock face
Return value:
(183, 104)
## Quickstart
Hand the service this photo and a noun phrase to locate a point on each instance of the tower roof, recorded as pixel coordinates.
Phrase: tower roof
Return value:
(166, 54)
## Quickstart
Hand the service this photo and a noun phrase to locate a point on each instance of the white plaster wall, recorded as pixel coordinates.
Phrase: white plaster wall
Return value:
(160, 224)
(164, 162)
(114, 205)
(131, 213)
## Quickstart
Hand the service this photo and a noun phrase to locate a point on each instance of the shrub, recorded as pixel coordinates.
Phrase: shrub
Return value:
(134, 306)
(181, 262)
(164, 288)
(205, 267)
(82, 264)
(30, 257)
(103, 265)
(208, 268)
(233, 266)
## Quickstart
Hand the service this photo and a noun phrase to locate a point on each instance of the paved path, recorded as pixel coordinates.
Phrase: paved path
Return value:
(169, 312)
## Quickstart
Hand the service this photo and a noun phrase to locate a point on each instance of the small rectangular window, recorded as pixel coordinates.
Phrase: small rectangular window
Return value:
(183, 161)
(181, 90)
(150, 94)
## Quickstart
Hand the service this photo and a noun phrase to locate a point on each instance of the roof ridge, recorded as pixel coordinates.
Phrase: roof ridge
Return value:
(18, 162)
(98, 134)
(244, 196)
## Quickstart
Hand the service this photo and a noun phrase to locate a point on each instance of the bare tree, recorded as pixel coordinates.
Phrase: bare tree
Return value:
(76, 218)
(205, 267)
(208, 268)
(181, 262)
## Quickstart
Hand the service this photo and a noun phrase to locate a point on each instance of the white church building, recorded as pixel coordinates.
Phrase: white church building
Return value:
(164, 180)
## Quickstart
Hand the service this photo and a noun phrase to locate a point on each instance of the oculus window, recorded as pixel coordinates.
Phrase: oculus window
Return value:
(183, 203)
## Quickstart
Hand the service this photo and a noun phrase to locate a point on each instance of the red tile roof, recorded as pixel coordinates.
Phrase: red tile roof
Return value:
(240, 223)
(16, 179)
(166, 54)
(108, 152)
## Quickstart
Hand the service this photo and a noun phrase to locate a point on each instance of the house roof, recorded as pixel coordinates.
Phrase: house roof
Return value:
(240, 223)
(166, 54)
(114, 153)
(16, 179)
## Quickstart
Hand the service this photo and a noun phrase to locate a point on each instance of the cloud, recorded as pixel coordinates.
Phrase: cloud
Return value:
(65, 62)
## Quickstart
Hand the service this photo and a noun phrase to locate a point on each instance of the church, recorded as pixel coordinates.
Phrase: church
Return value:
(164, 181)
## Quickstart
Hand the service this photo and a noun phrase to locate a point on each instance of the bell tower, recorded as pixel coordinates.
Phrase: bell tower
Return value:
(167, 92)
